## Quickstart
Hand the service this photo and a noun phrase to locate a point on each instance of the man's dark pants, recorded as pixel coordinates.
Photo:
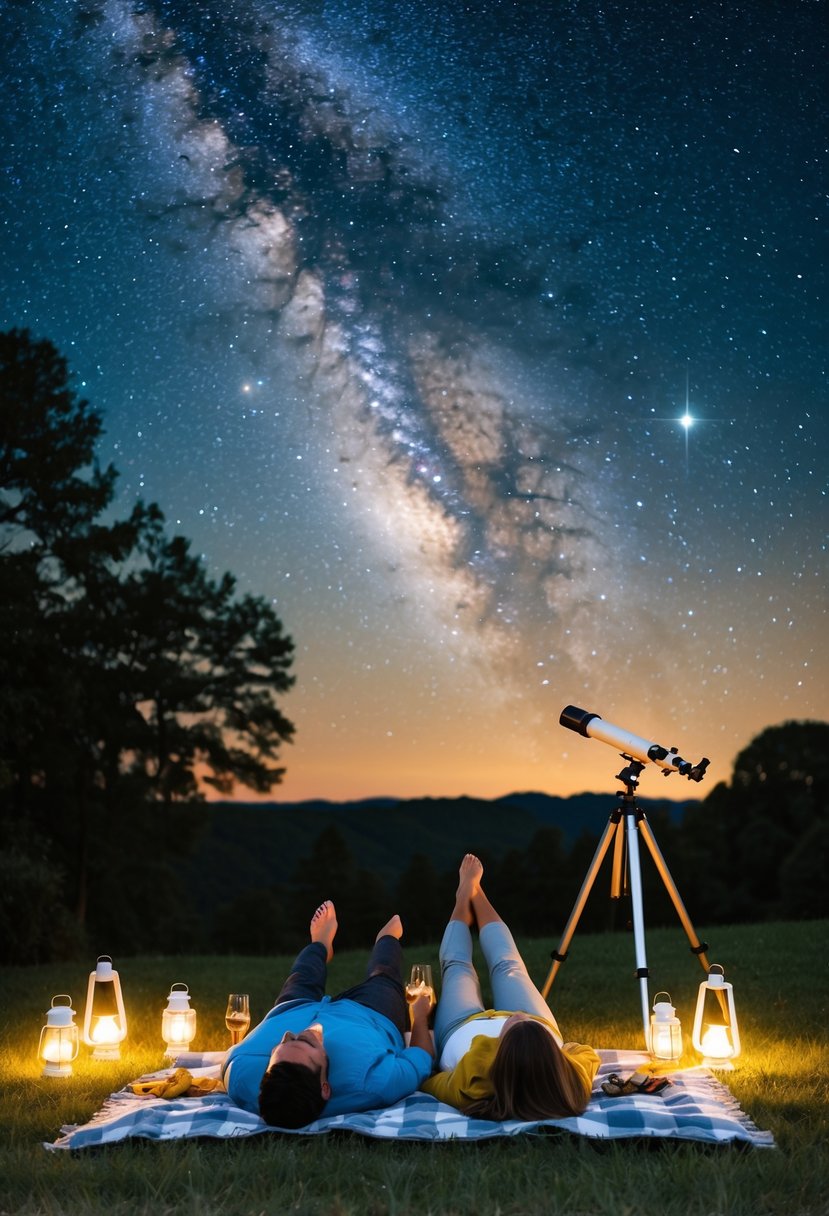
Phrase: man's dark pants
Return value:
(382, 989)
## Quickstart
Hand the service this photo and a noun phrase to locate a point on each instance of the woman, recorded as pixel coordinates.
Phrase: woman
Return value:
(507, 1063)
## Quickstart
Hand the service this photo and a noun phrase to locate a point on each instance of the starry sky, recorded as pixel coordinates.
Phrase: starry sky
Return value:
(397, 309)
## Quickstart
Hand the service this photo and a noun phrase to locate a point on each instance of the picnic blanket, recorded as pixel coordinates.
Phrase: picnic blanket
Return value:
(695, 1106)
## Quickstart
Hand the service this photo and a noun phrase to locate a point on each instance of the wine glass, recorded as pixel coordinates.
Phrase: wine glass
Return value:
(420, 981)
(237, 1016)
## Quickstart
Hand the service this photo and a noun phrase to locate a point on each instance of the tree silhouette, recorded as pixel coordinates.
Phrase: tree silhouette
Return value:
(128, 676)
(422, 901)
(330, 871)
(803, 875)
(753, 831)
(252, 923)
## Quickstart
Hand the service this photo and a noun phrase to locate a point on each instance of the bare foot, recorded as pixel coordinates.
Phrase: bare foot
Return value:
(324, 927)
(470, 873)
(392, 928)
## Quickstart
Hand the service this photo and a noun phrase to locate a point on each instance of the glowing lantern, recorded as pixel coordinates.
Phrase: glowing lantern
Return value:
(178, 1021)
(59, 1038)
(665, 1039)
(716, 1036)
(104, 1023)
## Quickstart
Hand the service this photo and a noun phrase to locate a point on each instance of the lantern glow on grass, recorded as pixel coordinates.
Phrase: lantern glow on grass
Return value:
(178, 1021)
(105, 1022)
(59, 1039)
(716, 1035)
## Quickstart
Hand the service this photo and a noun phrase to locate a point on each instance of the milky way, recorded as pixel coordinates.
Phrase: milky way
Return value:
(396, 310)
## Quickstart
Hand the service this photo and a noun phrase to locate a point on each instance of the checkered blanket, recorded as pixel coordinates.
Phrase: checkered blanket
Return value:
(694, 1107)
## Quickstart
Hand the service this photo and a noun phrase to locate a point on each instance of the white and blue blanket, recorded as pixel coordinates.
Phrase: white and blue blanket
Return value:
(695, 1106)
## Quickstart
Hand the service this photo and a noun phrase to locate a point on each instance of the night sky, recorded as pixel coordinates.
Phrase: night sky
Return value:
(395, 308)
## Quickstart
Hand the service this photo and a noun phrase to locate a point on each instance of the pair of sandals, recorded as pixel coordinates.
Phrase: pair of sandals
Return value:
(639, 1083)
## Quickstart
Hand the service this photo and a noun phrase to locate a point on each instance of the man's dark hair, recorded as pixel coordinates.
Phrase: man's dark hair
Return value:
(290, 1095)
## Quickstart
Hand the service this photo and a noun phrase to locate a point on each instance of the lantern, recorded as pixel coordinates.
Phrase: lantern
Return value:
(104, 1023)
(665, 1037)
(178, 1021)
(716, 1036)
(59, 1038)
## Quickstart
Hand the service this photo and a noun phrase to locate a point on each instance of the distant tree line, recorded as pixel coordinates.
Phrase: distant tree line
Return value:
(130, 678)
(755, 849)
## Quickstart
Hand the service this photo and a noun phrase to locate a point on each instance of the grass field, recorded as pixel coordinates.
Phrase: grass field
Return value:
(781, 988)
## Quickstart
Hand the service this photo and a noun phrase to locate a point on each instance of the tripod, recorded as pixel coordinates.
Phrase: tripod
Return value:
(625, 839)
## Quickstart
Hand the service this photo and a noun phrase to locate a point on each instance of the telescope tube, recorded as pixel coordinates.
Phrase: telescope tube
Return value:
(592, 726)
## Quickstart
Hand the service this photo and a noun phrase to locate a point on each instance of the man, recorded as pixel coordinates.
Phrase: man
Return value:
(314, 1055)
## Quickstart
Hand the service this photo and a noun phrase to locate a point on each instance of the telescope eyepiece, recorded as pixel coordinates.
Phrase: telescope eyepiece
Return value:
(698, 771)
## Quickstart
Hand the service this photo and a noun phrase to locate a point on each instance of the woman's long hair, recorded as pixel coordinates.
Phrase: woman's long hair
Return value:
(531, 1078)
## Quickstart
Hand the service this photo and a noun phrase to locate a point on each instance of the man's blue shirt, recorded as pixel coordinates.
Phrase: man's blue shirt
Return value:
(369, 1065)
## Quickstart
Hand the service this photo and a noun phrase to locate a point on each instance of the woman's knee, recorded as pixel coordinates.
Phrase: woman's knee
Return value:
(458, 968)
(510, 968)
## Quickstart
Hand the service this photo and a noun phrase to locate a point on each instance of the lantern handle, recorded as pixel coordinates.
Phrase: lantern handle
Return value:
(58, 997)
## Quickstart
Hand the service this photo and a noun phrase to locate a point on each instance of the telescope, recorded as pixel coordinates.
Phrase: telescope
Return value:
(626, 824)
(633, 747)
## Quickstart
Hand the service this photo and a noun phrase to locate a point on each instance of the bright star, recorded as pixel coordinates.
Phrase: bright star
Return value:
(685, 420)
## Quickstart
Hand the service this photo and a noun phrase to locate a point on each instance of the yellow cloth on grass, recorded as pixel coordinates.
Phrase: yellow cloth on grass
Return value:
(179, 1084)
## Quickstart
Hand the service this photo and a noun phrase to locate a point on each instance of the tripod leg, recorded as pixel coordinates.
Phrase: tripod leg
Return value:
(638, 918)
(697, 947)
(617, 868)
(598, 857)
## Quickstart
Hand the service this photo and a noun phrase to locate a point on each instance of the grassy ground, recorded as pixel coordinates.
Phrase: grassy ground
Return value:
(781, 992)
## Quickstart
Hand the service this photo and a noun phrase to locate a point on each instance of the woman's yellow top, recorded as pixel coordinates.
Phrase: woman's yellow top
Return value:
(469, 1081)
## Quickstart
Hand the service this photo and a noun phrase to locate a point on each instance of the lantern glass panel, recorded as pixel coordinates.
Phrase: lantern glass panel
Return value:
(666, 1040)
(59, 1039)
(105, 1022)
(716, 1036)
(58, 1048)
(178, 1029)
